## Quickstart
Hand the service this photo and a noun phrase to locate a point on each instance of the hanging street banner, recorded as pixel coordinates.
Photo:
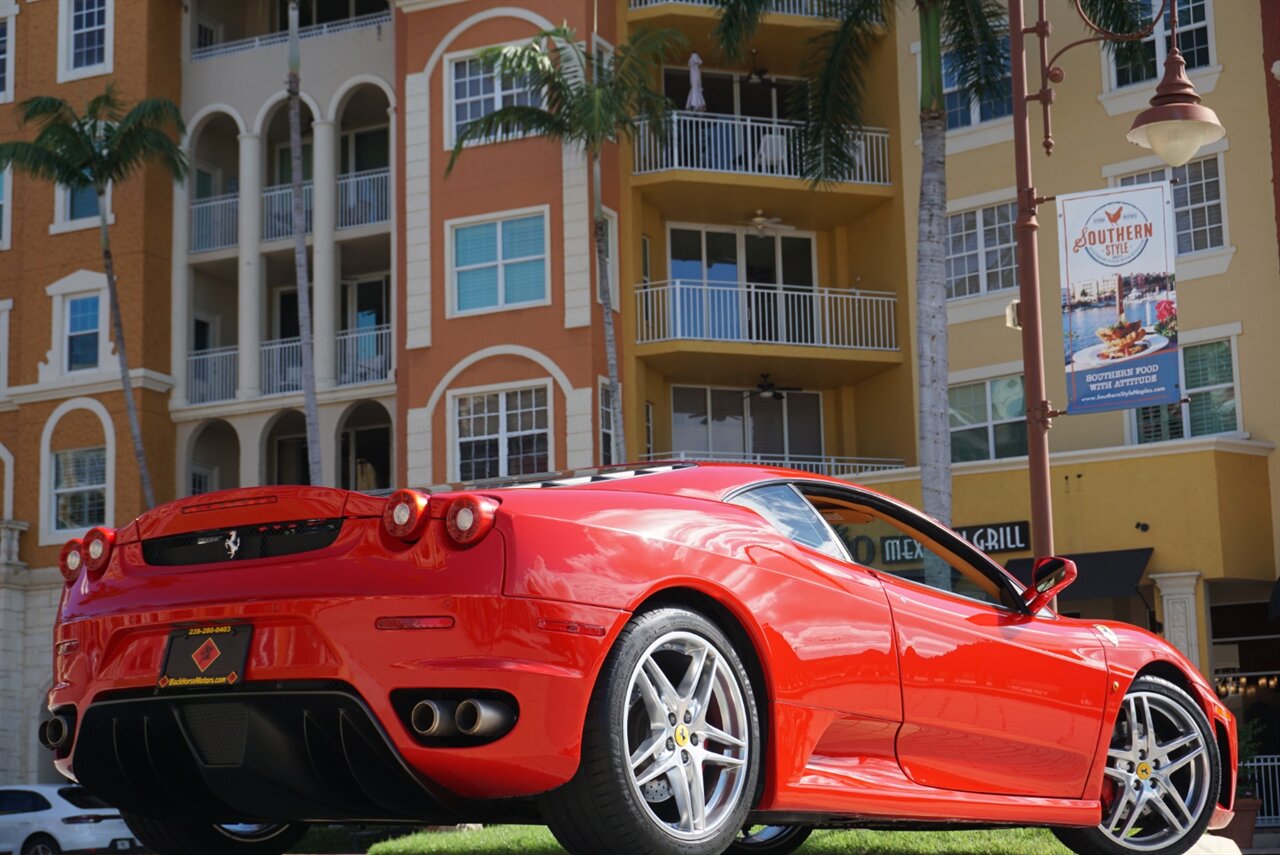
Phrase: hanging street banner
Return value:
(1119, 309)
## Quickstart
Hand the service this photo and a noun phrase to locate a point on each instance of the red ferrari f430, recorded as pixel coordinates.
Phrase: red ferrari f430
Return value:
(672, 659)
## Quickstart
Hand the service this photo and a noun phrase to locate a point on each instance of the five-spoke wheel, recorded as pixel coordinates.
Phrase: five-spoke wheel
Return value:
(1161, 778)
(670, 751)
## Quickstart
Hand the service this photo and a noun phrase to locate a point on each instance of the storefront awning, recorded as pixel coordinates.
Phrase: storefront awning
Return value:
(1102, 574)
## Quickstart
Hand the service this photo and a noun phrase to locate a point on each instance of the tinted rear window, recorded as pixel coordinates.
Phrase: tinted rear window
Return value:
(82, 798)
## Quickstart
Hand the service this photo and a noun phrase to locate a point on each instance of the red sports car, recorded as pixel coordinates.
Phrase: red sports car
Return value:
(664, 659)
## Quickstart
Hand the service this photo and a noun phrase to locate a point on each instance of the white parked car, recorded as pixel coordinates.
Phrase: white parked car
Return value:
(48, 819)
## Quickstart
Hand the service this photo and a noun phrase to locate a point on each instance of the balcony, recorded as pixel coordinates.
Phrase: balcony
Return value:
(837, 467)
(282, 366)
(376, 19)
(364, 355)
(747, 312)
(364, 198)
(215, 222)
(277, 211)
(746, 145)
(212, 375)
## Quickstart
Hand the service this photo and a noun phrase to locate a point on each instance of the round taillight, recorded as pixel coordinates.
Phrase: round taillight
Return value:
(97, 550)
(71, 559)
(470, 518)
(405, 514)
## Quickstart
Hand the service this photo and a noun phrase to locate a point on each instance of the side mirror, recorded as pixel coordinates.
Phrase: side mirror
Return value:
(1049, 577)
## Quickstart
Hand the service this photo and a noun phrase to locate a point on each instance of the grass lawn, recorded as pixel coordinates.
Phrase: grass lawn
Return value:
(536, 840)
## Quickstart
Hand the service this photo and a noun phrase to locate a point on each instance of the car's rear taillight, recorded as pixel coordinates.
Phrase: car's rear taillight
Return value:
(86, 818)
(405, 514)
(71, 559)
(97, 550)
(469, 519)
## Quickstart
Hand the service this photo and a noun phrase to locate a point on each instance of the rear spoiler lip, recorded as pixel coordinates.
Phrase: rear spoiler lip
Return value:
(248, 506)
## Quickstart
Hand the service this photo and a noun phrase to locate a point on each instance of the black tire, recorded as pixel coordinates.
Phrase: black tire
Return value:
(769, 840)
(1134, 772)
(41, 844)
(178, 837)
(607, 809)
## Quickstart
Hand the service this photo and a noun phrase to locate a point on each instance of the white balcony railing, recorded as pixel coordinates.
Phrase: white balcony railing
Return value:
(277, 211)
(745, 145)
(211, 375)
(364, 198)
(281, 366)
(215, 222)
(808, 8)
(818, 464)
(765, 314)
(1264, 770)
(376, 19)
(364, 355)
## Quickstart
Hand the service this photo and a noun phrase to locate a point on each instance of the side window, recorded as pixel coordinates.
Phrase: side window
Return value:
(792, 515)
(890, 545)
(22, 801)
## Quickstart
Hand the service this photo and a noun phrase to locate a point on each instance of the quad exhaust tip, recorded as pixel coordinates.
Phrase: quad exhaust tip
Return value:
(55, 733)
(483, 718)
(434, 718)
(472, 718)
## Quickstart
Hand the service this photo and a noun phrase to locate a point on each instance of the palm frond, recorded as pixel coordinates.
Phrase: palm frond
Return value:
(130, 149)
(739, 20)
(158, 113)
(45, 110)
(38, 162)
(516, 120)
(1123, 17)
(977, 45)
(831, 103)
(106, 107)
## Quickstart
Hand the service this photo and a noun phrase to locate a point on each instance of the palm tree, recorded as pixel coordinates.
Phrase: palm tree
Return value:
(311, 415)
(971, 34)
(96, 150)
(588, 100)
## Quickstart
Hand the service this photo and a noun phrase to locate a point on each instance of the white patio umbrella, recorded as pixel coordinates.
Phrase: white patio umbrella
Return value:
(695, 101)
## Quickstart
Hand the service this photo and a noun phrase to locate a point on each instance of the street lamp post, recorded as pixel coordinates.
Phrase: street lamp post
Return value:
(1174, 128)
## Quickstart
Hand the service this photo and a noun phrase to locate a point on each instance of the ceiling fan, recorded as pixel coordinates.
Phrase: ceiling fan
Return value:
(768, 387)
(761, 223)
(757, 74)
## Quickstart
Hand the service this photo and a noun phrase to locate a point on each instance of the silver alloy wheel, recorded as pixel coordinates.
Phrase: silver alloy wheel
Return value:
(1158, 764)
(40, 848)
(251, 831)
(687, 735)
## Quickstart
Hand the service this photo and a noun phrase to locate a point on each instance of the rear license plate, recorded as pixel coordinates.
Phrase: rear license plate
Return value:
(205, 656)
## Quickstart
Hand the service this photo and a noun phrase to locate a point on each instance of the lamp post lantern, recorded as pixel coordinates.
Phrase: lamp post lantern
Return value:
(1174, 128)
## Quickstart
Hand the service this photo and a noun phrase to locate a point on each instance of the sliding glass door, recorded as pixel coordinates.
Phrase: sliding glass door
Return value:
(742, 285)
(741, 424)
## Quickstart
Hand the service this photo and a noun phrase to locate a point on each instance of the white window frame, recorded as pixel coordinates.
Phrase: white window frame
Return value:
(451, 272)
(9, 10)
(55, 491)
(604, 388)
(212, 24)
(6, 306)
(49, 535)
(65, 71)
(61, 211)
(1118, 100)
(975, 103)
(1207, 335)
(611, 217)
(451, 60)
(67, 333)
(979, 210)
(454, 436)
(82, 283)
(1115, 177)
(6, 208)
(985, 380)
(741, 233)
(209, 471)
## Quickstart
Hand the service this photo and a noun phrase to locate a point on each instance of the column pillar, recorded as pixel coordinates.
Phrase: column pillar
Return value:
(1179, 613)
(249, 308)
(180, 300)
(324, 251)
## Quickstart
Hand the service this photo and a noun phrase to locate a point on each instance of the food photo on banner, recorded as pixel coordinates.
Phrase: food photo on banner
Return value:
(1119, 303)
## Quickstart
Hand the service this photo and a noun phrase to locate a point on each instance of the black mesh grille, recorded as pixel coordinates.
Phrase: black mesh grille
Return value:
(219, 732)
(214, 546)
